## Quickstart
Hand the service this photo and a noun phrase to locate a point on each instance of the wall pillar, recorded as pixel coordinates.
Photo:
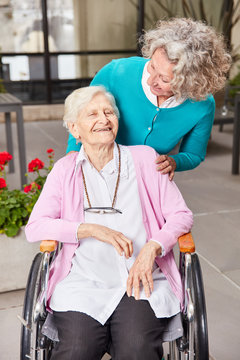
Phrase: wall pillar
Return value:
(81, 36)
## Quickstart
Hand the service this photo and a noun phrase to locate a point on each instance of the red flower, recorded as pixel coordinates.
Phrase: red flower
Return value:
(51, 153)
(5, 157)
(1, 167)
(32, 186)
(27, 188)
(35, 164)
(2, 183)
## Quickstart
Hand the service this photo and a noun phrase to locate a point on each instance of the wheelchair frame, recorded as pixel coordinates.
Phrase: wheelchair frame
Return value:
(193, 345)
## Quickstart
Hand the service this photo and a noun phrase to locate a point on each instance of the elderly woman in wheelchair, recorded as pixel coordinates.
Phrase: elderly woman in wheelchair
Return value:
(114, 285)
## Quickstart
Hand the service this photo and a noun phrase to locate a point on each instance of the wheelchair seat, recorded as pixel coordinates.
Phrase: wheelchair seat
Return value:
(193, 345)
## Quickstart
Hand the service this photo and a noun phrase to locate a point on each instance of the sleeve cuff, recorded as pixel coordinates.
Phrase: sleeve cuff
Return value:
(76, 237)
(163, 250)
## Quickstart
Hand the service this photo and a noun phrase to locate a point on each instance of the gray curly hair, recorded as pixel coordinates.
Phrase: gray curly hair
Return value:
(198, 52)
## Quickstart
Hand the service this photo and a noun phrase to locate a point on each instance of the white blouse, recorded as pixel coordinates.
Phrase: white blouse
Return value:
(98, 277)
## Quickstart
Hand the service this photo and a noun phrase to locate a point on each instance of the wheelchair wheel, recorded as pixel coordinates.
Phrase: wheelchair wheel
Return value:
(200, 322)
(200, 349)
(34, 345)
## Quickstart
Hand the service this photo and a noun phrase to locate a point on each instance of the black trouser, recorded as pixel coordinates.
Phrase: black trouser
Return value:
(132, 333)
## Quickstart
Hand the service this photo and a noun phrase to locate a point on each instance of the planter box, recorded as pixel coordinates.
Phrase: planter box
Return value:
(16, 256)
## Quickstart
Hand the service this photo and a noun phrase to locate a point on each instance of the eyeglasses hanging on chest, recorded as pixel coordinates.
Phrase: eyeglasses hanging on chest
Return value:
(102, 209)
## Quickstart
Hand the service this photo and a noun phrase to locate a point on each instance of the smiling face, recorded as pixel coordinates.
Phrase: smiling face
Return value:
(97, 123)
(161, 74)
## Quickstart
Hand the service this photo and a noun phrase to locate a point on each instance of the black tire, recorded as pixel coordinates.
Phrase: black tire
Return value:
(31, 337)
(200, 322)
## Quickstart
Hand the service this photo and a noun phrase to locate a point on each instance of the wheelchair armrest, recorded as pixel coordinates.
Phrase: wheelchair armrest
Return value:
(186, 243)
(48, 245)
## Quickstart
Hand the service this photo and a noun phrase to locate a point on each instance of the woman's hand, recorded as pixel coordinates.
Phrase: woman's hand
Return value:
(142, 270)
(122, 244)
(166, 164)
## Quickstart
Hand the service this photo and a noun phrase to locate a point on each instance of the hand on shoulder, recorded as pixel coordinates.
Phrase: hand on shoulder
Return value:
(166, 165)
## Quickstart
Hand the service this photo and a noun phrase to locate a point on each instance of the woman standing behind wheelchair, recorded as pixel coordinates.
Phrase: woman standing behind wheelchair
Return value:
(165, 98)
(114, 287)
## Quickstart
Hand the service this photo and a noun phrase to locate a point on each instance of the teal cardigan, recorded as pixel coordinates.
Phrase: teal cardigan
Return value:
(141, 122)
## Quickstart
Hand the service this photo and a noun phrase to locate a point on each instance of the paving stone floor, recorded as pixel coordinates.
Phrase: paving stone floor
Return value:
(211, 192)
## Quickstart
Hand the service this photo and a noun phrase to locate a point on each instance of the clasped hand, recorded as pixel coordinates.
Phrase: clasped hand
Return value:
(141, 271)
(121, 243)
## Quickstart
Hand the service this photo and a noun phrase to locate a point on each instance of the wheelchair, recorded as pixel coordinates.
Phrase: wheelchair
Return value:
(193, 345)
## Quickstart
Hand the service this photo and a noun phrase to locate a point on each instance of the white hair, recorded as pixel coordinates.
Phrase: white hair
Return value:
(79, 98)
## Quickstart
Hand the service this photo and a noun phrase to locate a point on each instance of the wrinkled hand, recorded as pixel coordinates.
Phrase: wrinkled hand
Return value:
(166, 164)
(121, 243)
(142, 270)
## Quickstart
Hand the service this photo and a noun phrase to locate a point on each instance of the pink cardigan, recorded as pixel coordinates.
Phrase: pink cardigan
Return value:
(59, 210)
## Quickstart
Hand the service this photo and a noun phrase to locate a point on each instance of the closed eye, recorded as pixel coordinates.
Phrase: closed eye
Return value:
(109, 112)
(92, 114)
(165, 81)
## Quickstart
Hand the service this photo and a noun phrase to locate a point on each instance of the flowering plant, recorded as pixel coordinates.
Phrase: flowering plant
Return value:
(16, 205)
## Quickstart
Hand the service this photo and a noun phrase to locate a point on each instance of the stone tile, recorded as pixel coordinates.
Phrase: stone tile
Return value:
(217, 239)
(213, 197)
(234, 275)
(11, 299)
(223, 305)
(39, 136)
(210, 187)
(10, 328)
(54, 135)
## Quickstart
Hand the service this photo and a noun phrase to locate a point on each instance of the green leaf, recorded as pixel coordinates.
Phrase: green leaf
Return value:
(14, 215)
(4, 213)
(12, 201)
(24, 212)
(12, 230)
